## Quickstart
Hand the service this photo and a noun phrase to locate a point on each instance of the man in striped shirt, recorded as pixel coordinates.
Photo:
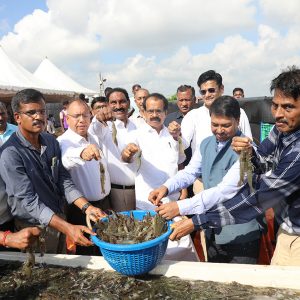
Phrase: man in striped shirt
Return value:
(276, 178)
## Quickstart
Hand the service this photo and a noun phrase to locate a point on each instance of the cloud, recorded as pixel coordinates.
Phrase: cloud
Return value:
(161, 44)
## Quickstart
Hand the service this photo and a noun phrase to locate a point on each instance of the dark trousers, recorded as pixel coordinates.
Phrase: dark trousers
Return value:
(76, 217)
(243, 253)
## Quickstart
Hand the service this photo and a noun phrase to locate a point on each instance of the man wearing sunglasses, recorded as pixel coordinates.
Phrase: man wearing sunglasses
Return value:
(36, 181)
(196, 124)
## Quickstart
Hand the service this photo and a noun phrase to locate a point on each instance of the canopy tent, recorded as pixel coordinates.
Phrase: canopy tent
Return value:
(14, 77)
(52, 75)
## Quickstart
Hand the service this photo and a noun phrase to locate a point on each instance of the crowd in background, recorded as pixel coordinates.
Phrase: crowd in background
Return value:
(197, 166)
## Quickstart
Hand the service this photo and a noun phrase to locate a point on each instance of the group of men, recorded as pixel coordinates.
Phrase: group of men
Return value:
(109, 159)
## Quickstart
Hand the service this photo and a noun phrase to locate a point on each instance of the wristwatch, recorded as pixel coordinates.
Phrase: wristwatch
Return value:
(85, 207)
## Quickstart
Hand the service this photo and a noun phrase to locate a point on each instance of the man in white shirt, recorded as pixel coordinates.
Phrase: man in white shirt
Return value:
(82, 157)
(195, 126)
(139, 97)
(111, 127)
(157, 156)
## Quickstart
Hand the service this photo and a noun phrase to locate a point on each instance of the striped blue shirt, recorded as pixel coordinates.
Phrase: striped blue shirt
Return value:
(277, 179)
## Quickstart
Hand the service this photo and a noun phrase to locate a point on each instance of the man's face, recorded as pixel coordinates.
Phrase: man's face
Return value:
(139, 98)
(98, 106)
(119, 105)
(155, 114)
(3, 119)
(286, 112)
(238, 94)
(223, 128)
(185, 101)
(31, 117)
(78, 118)
(210, 91)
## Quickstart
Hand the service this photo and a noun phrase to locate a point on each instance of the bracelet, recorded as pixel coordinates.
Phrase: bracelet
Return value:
(85, 206)
(5, 234)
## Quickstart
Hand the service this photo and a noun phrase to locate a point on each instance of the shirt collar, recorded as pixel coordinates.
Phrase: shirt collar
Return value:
(75, 136)
(27, 144)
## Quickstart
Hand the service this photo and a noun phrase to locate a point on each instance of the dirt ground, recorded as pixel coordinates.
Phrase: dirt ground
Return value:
(75, 283)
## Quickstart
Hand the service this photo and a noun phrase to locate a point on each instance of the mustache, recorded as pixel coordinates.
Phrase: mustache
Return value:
(38, 122)
(119, 109)
(155, 119)
(282, 121)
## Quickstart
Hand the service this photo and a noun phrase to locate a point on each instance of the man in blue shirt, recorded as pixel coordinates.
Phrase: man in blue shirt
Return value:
(36, 182)
(277, 173)
(6, 129)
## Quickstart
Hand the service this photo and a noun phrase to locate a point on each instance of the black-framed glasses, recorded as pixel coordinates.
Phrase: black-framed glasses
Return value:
(78, 116)
(33, 112)
(210, 90)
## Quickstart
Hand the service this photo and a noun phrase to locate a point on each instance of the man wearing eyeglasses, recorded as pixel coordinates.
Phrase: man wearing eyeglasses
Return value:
(139, 97)
(82, 157)
(195, 126)
(36, 181)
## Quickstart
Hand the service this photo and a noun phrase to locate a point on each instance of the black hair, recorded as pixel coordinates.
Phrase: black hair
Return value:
(3, 107)
(157, 96)
(210, 75)
(106, 91)
(120, 90)
(226, 106)
(237, 89)
(185, 87)
(98, 99)
(288, 82)
(26, 96)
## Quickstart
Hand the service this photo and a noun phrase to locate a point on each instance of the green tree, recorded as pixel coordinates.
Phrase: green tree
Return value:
(172, 98)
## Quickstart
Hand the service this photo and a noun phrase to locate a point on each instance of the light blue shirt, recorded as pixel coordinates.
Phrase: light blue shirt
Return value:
(10, 129)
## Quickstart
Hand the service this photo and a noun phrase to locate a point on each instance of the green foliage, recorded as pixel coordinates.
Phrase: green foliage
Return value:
(172, 98)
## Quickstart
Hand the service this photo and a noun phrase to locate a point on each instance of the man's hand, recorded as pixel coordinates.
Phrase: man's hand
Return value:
(23, 238)
(181, 229)
(95, 213)
(129, 151)
(241, 143)
(90, 152)
(168, 210)
(156, 195)
(75, 234)
(105, 114)
(174, 129)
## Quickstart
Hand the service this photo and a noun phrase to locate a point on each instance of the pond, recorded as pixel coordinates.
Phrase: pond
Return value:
(52, 282)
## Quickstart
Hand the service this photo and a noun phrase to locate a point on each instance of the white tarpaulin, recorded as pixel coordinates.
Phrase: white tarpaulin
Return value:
(52, 75)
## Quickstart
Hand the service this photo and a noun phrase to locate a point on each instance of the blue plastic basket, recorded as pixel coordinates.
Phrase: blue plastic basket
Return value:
(135, 259)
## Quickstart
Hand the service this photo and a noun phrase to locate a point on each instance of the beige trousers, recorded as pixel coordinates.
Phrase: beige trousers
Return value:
(287, 251)
(122, 200)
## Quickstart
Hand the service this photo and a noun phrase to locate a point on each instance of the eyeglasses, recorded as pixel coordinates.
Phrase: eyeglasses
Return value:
(157, 111)
(210, 90)
(33, 113)
(77, 116)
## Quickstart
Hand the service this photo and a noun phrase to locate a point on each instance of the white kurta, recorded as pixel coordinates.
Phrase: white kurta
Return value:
(159, 161)
(85, 174)
(120, 172)
(196, 126)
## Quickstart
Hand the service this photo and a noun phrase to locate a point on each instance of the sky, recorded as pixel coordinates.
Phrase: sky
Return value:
(159, 44)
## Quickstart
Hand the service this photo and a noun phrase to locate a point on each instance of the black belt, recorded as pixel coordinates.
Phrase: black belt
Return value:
(122, 187)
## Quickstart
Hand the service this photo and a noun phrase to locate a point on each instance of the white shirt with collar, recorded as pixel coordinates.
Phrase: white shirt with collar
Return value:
(120, 172)
(138, 120)
(85, 174)
(159, 161)
(196, 126)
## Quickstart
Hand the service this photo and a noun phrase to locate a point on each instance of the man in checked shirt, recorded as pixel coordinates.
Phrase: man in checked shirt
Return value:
(277, 176)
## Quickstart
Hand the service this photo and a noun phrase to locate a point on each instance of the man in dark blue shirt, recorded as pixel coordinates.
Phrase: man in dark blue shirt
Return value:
(36, 182)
